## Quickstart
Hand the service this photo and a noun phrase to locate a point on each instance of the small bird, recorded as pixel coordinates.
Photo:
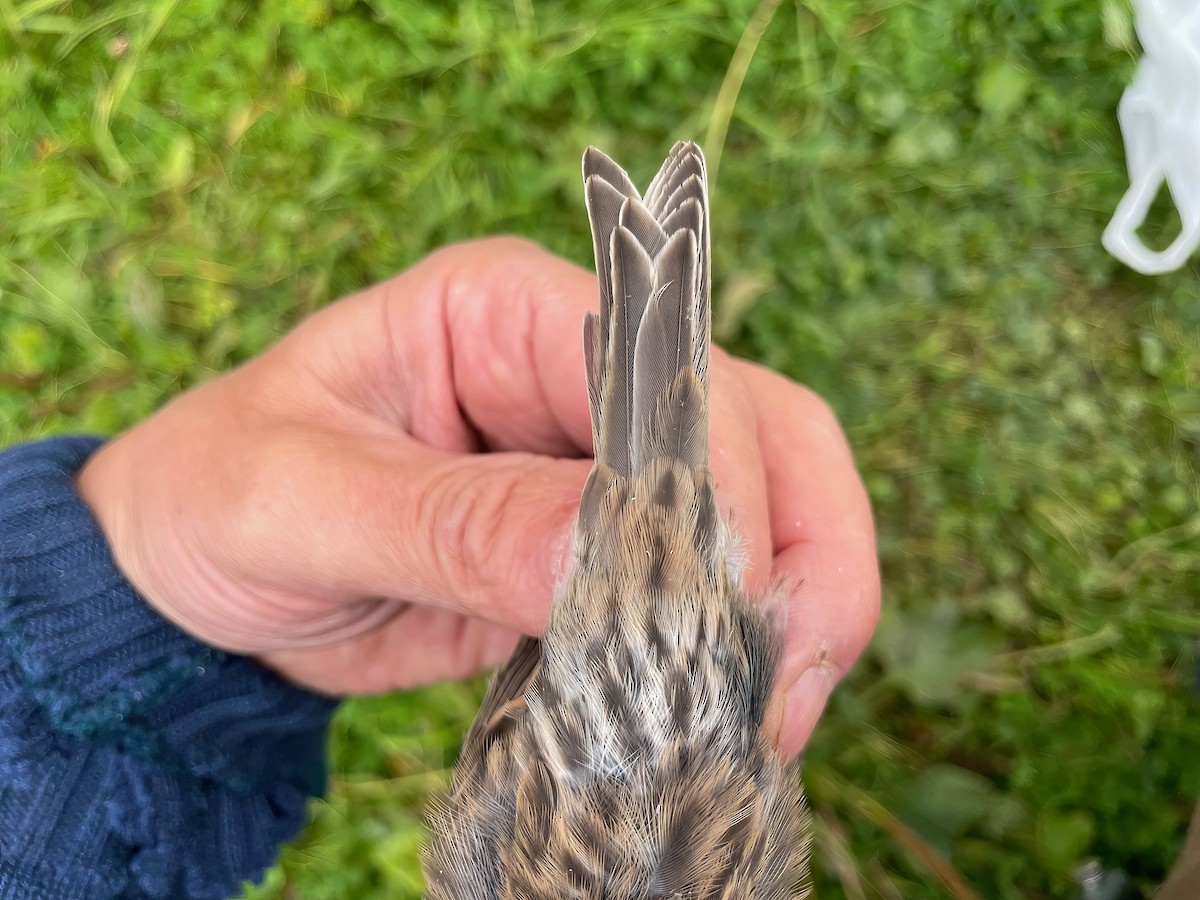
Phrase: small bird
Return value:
(621, 757)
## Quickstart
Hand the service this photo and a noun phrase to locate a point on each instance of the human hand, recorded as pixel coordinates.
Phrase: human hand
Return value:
(386, 497)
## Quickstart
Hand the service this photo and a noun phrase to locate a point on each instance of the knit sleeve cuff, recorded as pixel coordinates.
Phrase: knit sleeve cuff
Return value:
(133, 759)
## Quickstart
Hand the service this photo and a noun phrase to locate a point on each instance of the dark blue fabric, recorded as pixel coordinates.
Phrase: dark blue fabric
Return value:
(135, 762)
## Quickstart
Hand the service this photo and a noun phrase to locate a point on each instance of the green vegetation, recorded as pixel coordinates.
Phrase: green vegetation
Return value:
(908, 205)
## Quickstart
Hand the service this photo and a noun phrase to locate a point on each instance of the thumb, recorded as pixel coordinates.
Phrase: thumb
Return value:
(488, 535)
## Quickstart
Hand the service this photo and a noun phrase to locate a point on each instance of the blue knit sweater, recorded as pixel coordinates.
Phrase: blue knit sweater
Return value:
(135, 762)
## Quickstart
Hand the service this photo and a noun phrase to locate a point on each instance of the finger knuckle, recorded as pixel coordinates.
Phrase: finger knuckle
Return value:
(818, 411)
(463, 515)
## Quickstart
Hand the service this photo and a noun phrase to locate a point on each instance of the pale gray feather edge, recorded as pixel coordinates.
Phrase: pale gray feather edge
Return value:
(633, 281)
(663, 400)
(668, 193)
(606, 188)
(651, 318)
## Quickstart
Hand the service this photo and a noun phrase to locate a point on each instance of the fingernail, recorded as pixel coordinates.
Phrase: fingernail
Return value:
(803, 704)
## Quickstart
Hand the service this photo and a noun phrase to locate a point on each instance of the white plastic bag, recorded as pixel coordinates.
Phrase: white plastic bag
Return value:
(1159, 116)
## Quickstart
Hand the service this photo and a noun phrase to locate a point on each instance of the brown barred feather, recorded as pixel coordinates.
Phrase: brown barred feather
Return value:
(621, 757)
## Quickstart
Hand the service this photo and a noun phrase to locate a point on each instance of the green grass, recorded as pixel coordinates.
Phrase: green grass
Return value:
(908, 206)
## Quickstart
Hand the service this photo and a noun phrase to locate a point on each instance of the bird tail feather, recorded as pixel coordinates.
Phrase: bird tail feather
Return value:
(647, 350)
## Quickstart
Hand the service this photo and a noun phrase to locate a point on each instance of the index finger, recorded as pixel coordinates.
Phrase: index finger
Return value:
(514, 330)
(477, 347)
